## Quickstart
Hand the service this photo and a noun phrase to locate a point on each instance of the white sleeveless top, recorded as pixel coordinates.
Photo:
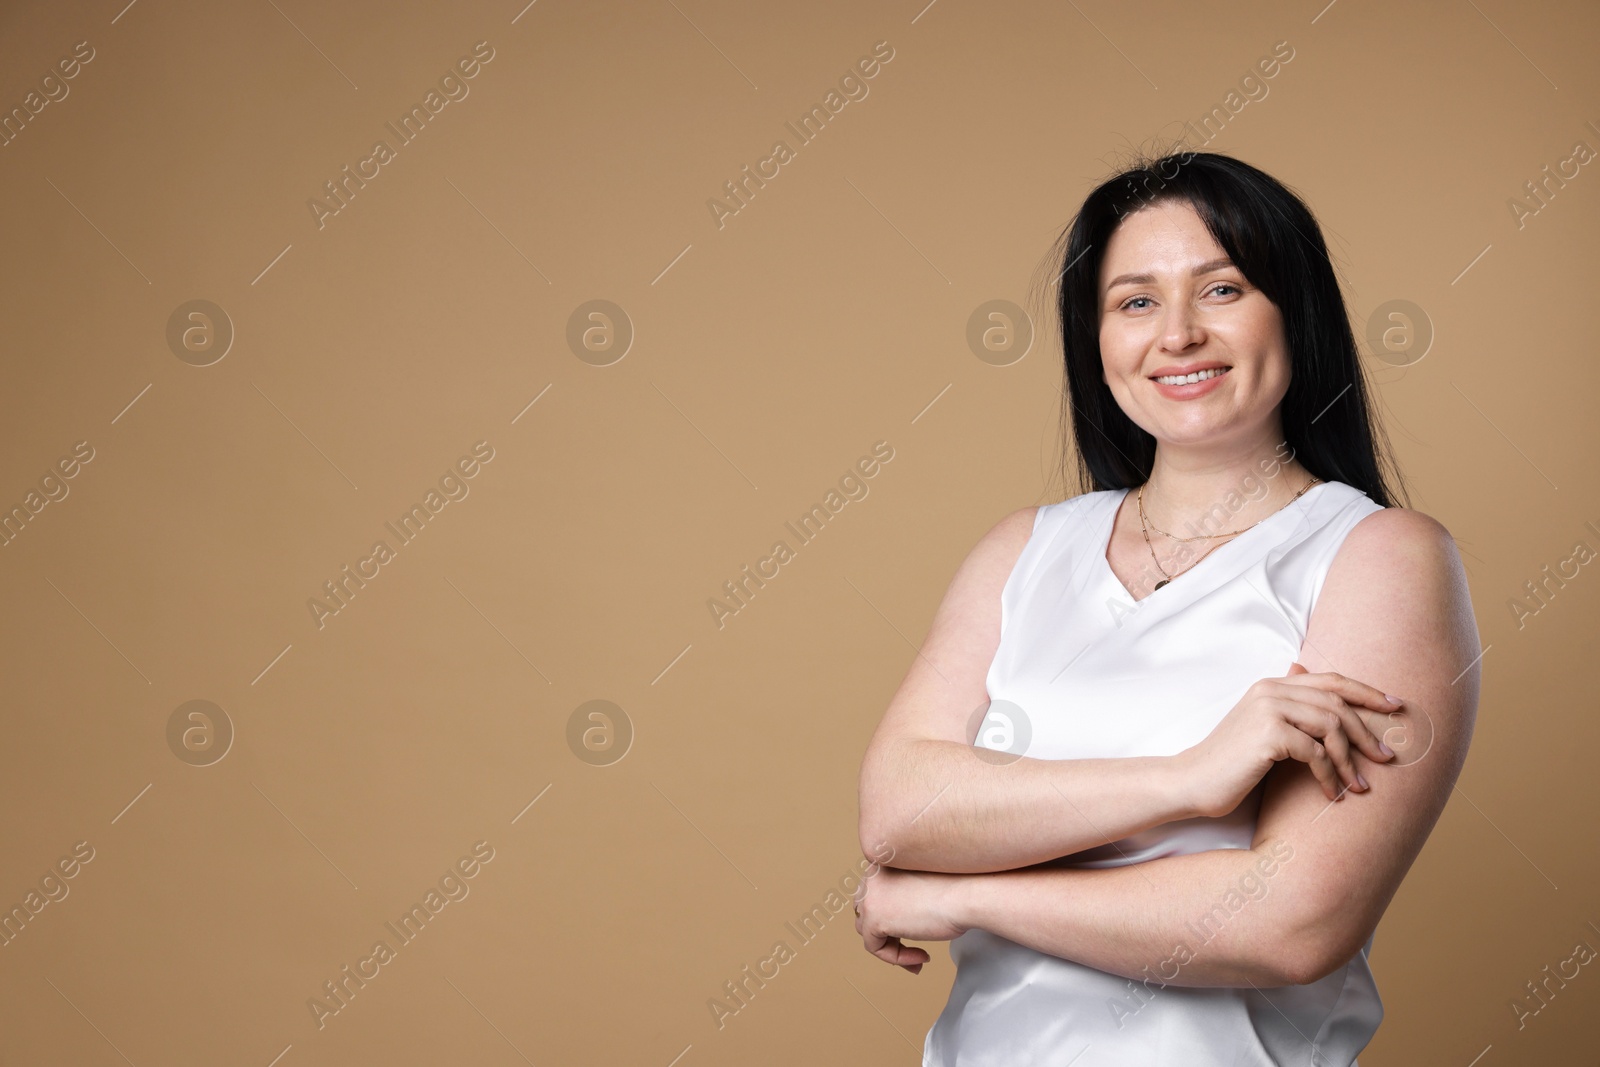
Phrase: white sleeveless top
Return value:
(1097, 674)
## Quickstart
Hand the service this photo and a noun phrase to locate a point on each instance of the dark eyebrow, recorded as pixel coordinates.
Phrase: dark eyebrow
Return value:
(1149, 279)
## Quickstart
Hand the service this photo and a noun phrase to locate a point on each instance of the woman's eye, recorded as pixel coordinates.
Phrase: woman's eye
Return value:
(1128, 304)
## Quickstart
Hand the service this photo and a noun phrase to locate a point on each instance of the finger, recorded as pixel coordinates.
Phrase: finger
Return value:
(1297, 668)
(875, 944)
(1352, 691)
(1356, 732)
(1363, 736)
(908, 956)
(1326, 723)
(1337, 743)
(893, 951)
(1303, 747)
(1367, 696)
(1322, 766)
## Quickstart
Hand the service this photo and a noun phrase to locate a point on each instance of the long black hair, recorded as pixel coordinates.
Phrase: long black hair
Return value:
(1272, 237)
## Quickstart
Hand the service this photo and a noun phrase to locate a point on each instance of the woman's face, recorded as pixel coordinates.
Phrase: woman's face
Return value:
(1171, 303)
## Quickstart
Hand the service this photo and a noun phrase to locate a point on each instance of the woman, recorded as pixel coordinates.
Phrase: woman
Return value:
(1220, 699)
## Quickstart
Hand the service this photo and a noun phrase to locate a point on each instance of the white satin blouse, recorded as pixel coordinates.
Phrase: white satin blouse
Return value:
(1097, 674)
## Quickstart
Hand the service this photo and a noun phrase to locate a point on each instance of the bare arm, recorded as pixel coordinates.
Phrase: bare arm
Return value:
(943, 805)
(981, 817)
(1395, 608)
(926, 793)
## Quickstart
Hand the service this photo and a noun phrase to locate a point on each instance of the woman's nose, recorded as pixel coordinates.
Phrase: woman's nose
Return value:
(1180, 328)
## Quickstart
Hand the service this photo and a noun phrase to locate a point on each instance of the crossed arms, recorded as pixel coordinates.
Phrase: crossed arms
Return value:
(1394, 612)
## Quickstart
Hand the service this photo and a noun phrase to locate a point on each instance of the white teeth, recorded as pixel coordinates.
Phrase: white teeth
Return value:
(1190, 379)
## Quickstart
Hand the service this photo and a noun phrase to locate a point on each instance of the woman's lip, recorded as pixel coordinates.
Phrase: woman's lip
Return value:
(1191, 390)
(1169, 372)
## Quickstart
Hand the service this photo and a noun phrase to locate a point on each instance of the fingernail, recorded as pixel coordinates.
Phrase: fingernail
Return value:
(1393, 700)
(1385, 749)
(1362, 781)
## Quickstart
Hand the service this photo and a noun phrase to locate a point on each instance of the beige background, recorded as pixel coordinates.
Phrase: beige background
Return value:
(370, 354)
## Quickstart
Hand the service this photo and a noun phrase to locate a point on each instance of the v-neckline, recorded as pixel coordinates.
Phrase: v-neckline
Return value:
(1104, 560)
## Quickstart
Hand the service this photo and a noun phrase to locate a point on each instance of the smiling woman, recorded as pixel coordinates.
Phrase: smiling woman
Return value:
(1242, 715)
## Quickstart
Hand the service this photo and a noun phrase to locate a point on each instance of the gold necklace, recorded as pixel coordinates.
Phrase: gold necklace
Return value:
(1145, 527)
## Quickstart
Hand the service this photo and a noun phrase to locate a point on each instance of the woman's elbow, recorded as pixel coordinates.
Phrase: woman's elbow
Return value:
(868, 833)
(1298, 967)
(879, 821)
(1307, 959)
(882, 832)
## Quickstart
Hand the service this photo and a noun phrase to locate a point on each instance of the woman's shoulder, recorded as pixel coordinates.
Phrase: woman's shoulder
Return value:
(1081, 504)
(1023, 521)
(1369, 521)
(1391, 527)
(1008, 539)
(1397, 546)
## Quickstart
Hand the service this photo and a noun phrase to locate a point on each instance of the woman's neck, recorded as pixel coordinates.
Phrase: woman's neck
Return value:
(1188, 495)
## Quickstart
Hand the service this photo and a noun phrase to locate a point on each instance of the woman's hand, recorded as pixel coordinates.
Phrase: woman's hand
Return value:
(1313, 718)
(918, 905)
